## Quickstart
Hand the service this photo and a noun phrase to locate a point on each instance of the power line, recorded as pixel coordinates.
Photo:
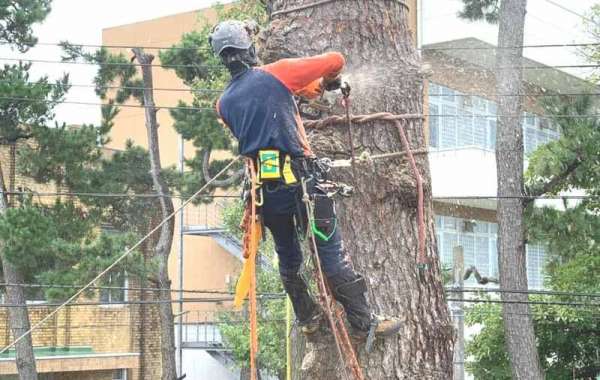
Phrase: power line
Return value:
(571, 11)
(547, 303)
(42, 100)
(540, 197)
(220, 90)
(222, 68)
(486, 116)
(50, 61)
(109, 195)
(200, 48)
(529, 291)
(119, 195)
(135, 302)
(118, 46)
(534, 46)
(126, 288)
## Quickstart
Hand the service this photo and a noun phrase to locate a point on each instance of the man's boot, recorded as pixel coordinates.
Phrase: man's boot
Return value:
(349, 288)
(307, 311)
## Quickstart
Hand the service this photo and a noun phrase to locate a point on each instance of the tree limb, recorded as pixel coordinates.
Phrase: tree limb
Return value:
(217, 183)
(555, 181)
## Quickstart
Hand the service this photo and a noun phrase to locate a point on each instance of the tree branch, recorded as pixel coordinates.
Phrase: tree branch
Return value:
(218, 183)
(555, 181)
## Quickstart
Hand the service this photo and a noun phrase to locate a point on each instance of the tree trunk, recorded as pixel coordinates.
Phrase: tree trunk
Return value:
(518, 324)
(15, 295)
(379, 221)
(165, 240)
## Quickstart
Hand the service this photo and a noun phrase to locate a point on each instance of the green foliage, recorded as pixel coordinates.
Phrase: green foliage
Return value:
(566, 339)
(235, 328)
(16, 19)
(57, 244)
(477, 10)
(116, 71)
(19, 118)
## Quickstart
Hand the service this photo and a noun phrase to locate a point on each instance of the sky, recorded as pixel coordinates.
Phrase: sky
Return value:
(82, 22)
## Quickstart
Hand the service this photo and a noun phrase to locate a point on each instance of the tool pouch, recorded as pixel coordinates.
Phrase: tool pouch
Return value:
(324, 216)
(275, 166)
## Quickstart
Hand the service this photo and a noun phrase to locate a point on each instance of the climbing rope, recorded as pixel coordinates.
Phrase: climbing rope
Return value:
(246, 285)
(343, 343)
(119, 259)
(398, 121)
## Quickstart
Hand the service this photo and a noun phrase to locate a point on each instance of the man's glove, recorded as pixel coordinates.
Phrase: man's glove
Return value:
(332, 84)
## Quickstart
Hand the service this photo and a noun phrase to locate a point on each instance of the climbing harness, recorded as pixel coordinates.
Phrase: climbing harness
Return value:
(343, 343)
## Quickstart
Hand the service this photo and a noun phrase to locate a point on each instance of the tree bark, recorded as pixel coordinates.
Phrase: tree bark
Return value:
(379, 221)
(15, 295)
(165, 240)
(518, 324)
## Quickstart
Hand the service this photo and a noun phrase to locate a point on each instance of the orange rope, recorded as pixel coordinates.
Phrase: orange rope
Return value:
(253, 308)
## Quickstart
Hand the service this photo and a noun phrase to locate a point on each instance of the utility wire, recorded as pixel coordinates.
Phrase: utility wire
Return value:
(195, 291)
(548, 303)
(461, 197)
(200, 48)
(220, 90)
(451, 289)
(41, 100)
(127, 64)
(110, 195)
(540, 197)
(133, 302)
(118, 260)
(222, 68)
(210, 109)
(583, 17)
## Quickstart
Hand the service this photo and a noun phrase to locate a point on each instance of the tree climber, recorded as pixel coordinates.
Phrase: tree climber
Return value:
(259, 108)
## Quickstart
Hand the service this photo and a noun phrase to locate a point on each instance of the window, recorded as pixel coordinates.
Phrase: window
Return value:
(115, 293)
(434, 125)
(466, 121)
(120, 374)
(479, 243)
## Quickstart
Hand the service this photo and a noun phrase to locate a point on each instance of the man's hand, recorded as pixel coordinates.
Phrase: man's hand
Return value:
(332, 84)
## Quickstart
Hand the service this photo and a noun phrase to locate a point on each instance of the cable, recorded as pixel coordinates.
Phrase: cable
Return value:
(119, 259)
(105, 104)
(189, 89)
(111, 46)
(220, 90)
(49, 61)
(110, 195)
(571, 11)
(541, 197)
(222, 68)
(75, 304)
(199, 48)
(195, 291)
(558, 303)
(584, 44)
(530, 291)
(487, 116)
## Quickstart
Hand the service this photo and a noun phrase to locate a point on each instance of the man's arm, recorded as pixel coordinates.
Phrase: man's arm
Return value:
(304, 76)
